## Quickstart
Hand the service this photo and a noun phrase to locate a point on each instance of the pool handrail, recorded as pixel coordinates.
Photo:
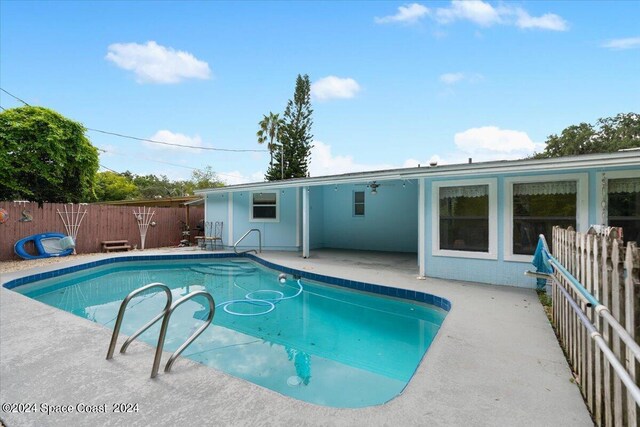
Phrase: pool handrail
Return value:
(123, 307)
(235, 246)
(165, 324)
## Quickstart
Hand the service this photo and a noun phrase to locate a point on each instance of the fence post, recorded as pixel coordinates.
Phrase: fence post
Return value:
(617, 276)
(598, 378)
(631, 264)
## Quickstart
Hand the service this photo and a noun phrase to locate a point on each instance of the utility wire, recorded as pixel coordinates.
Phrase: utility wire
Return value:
(177, 145)
(147, 158)
(166, 163)
(24, 102)
(109, 169)
(231, 150)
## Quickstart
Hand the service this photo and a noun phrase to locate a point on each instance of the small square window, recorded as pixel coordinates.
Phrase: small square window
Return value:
(358, 203)
(264, 206)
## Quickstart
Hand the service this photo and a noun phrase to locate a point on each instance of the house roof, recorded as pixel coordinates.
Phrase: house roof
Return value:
(160, 202)
(621, 159)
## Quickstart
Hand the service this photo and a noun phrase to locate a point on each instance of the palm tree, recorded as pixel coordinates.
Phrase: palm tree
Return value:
(270, 130)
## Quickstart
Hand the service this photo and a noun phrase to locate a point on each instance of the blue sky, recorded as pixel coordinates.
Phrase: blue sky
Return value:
(394, 83)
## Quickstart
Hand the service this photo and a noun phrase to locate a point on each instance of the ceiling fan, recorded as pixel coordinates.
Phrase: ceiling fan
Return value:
(373, 185)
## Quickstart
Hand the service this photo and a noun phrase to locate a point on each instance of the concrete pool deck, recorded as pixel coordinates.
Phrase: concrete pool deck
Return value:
(495, 361)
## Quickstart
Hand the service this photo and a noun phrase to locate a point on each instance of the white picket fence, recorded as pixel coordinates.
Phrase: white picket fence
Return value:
(610, 272)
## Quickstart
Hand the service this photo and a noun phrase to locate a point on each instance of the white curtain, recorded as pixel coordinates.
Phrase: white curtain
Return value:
(537, 188)
(624, 185)
(464, 191)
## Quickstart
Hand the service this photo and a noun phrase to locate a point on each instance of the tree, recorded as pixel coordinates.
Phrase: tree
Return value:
(270, 131)
(608, 135)
(114, 186)
(152, 187)
(292, 161)
(203, 178)
(45, 157)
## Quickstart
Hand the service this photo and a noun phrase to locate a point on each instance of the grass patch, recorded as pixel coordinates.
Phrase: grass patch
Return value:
(547, 303)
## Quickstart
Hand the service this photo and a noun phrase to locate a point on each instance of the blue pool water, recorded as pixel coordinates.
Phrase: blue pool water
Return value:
(329, 346)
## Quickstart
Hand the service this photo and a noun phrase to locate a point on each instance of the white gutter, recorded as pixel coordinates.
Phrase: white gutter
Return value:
(618, 159)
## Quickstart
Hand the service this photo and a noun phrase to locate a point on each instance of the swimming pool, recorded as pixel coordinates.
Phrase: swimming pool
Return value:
(328, 345)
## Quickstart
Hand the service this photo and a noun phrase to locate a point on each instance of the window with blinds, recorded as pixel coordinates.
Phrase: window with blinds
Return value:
(623, 207)
(264, 206)
(537, 207)
(464, 218)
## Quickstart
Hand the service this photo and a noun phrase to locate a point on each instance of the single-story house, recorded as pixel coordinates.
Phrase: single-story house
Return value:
(476, 222)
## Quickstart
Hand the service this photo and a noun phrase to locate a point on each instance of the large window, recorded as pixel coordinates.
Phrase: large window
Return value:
(623, 206)
(537, 207)
(534, 204)
(264, 206)
(358, 203)
(464, 218)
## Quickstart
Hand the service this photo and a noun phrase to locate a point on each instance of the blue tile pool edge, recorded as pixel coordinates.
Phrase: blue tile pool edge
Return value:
(406, 294)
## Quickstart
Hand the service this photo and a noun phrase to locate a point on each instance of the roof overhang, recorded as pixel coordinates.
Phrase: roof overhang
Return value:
(587, 161)
(195, 202)
(163, 201)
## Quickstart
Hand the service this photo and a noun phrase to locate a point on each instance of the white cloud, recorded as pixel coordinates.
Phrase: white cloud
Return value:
(236, 177)
(414, 163)
(180, 141)
(154, 63)
(476, 11)
(483, 144)
(485, 15)
(623, 44)
(493, 143)
(324, 162)
(548, 21)
(451, 78)
(332, 87)
(409, 14)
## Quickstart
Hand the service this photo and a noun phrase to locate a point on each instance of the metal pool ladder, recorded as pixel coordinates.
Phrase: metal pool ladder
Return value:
(165, 315)
(235, 247)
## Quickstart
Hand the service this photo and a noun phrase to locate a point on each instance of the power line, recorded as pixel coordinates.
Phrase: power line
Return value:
(149, 159)
(24, 102)
(232, 150)
(109, 169)
(166, 163)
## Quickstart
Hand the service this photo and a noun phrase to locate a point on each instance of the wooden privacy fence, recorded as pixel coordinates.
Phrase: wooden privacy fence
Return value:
(599, 325)
(101, 223)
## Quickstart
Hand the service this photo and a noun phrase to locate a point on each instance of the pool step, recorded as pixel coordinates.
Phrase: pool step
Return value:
(238, 270)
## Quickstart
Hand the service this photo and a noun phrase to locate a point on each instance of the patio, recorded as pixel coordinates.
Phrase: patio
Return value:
(495, 361)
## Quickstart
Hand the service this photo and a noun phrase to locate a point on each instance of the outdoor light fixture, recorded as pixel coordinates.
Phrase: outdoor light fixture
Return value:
(374, 188)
